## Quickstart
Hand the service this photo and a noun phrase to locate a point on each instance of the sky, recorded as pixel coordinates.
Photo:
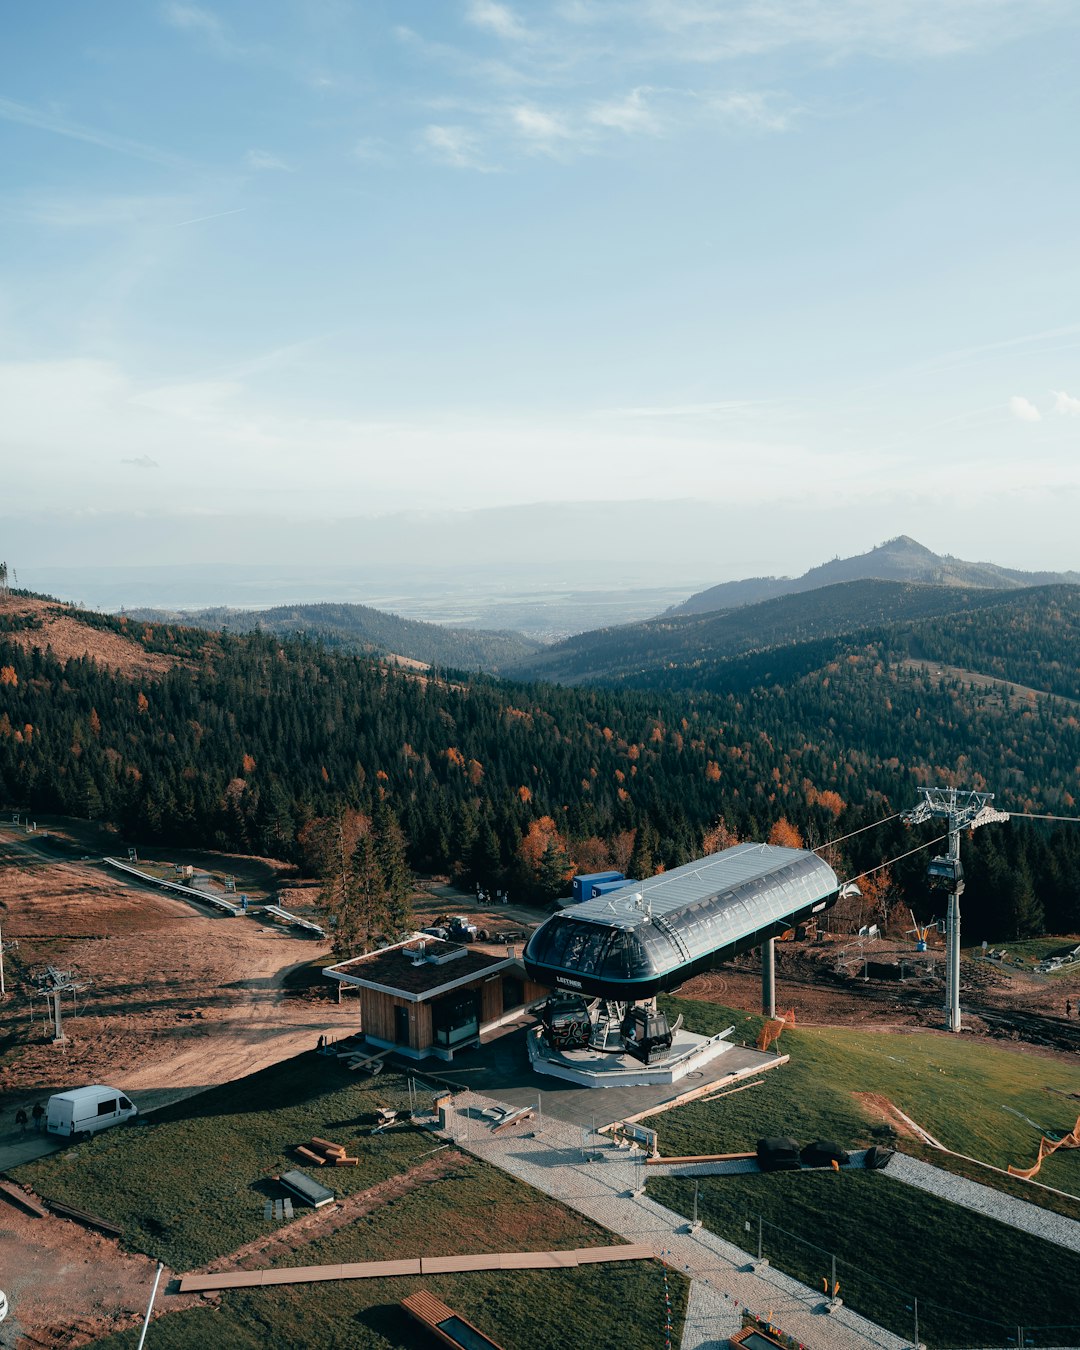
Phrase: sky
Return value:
(812, 263)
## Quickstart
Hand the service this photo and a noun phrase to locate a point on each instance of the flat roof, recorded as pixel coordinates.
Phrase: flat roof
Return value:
(399, 971)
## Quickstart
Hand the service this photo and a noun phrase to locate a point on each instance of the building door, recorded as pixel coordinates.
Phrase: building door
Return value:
(401, 1025)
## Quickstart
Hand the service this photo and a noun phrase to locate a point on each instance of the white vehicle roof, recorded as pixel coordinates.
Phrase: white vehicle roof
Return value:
(81, 1094)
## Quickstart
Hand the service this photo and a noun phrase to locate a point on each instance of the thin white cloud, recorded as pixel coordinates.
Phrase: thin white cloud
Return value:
(543, 129)
(82, 212)
(631, 114)
(142, 462)
(217, 215)
(195, 19)
(1066, 403)
(498, 19)
(454, 145)
(1023, 409)
(707, 31)
(749, 110)
(263, 159)
(11, 111)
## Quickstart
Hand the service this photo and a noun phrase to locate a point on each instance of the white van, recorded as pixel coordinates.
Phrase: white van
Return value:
(85, 1110)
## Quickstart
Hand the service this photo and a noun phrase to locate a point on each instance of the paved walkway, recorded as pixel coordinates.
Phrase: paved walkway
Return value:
(722, 1281)
(1021, 1214)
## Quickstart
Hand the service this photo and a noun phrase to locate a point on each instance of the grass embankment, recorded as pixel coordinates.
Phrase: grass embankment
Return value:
(976, 1280)
(892, 1242)
(190, 1185)
(989, 1101)
(476, 1209)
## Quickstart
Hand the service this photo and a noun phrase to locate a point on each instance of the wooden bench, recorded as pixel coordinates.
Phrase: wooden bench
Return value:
(443, 1322)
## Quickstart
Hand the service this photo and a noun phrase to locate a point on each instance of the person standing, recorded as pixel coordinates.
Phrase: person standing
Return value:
(37, 1113)
(20, 1119)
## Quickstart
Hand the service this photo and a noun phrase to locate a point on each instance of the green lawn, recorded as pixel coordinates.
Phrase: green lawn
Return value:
(476, 1209)
(976, 1097)
(191, 1185)
(975, 1279)
(599, 1307)
(892, 1241)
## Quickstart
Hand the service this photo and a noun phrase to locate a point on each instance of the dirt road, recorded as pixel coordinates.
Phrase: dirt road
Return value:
(178, 999)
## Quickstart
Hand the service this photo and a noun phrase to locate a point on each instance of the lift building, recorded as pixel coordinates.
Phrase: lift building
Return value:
(425, 997)
(650, 936)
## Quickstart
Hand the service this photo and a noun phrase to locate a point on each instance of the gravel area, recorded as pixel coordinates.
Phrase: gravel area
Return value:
(723, 1281)
(1029, 1218)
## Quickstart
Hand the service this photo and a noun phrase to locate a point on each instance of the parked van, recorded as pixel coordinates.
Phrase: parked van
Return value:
(85, 1110)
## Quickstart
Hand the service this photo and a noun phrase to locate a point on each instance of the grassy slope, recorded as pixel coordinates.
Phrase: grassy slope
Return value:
(971, 1095)
(891, 1241)
(190, 1186)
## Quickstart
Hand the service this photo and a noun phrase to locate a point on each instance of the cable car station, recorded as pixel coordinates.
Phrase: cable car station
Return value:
(609, 956)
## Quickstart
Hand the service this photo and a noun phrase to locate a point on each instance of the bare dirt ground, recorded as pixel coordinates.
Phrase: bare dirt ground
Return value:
(69, 637)
(999, 1001)
(68, 1286)
(178, 999)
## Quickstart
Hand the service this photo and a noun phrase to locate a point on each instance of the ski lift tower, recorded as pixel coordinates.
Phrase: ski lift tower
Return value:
(52, 983)
(964, 811)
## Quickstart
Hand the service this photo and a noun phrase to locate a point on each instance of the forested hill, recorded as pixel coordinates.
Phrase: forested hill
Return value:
(900, 559)
(649, 652)
(360, 628)
(245, 741)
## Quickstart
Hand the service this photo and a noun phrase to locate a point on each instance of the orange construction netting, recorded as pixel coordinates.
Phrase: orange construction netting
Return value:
(771, 1030)
(1046, 1147)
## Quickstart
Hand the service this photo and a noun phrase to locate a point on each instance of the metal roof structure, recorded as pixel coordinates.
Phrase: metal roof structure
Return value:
(651, 935)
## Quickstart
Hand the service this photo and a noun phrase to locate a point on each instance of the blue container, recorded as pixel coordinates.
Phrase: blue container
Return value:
(583, 884)
(602, 887)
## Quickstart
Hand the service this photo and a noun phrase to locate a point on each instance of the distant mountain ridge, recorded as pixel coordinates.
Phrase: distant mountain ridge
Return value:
(363, 629)
(900, 559)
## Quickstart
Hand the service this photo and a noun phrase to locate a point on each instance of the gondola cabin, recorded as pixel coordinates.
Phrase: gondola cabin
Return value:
(944, 874)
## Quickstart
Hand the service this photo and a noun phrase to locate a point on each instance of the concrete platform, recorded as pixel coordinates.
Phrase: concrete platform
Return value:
(501, 1070)
(689, 1053)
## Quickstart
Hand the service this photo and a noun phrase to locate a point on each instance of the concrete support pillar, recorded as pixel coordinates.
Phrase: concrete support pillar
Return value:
(768, 977)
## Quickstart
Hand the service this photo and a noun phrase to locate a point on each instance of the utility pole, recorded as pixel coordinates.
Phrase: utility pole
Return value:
(964, 811)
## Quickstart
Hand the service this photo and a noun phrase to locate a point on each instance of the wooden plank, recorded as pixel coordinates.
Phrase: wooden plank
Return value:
(311, 1157)
(630, 1251)
(452, 1265)
(699, 1158)
(19, 1197)
(327, 1145)
(428, 1265)
(88, 1220)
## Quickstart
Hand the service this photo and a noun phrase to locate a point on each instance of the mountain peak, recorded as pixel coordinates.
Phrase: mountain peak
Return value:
(899, 559)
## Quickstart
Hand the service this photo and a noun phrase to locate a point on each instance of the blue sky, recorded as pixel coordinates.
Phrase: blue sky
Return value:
(815, 258)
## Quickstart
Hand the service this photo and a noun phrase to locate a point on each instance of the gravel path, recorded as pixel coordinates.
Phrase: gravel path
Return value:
(1021, 1214)
(723, 1282)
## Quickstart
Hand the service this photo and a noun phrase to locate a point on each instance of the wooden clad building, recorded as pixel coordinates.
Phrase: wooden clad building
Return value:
(425, 997)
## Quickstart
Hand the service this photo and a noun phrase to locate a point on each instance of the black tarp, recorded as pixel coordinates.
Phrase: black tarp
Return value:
(823, 1153)
(778, 1154)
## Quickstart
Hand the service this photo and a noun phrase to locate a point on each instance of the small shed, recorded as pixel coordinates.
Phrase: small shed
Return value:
(427, 997)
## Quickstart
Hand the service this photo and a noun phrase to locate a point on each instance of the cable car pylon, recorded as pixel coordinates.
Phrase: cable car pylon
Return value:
(964, 811)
